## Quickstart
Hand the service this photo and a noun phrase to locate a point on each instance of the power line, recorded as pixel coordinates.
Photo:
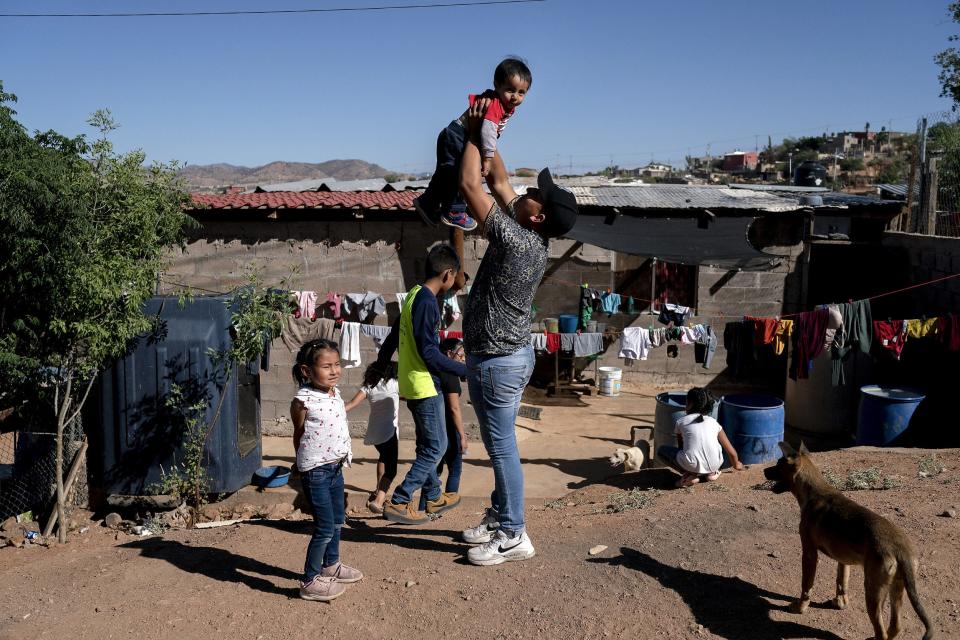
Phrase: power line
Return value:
(261, 12)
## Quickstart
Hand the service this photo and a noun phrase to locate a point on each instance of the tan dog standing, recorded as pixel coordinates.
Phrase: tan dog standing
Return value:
(850, 534)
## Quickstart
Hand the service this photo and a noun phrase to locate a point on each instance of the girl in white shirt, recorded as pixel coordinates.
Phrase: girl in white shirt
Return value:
(322, 441)
(381, 390)
(702, 443)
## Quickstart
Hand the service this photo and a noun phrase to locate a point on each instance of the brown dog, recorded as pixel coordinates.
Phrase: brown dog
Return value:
(850, 534)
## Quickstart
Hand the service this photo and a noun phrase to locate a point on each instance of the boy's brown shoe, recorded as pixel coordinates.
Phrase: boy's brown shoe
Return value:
(443, 503)
(404, 513)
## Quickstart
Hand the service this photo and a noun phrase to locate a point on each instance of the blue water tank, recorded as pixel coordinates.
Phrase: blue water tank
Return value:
(885, 413)
(135, 433)
(754, 425)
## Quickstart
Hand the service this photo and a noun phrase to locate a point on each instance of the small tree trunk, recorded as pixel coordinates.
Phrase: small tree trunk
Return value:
(62, 414)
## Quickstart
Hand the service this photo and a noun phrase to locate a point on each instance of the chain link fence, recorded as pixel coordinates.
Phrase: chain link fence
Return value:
(932, 191)
(28, 463)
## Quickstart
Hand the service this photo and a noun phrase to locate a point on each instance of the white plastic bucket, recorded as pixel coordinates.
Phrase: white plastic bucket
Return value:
(610, 381)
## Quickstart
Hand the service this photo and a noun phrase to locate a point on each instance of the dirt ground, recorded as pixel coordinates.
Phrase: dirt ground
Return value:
(720, 560)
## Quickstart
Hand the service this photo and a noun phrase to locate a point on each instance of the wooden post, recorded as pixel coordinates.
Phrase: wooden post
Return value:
(456, 239)
(928, 211)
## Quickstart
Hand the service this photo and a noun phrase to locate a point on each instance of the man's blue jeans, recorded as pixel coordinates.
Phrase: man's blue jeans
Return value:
(496, 386)
(323, 487)
(431, 433)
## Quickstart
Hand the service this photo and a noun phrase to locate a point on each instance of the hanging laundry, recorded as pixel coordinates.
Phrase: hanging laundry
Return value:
(808, 340)
(783, 331)
(538, 341)
(673, 334)
(857, 327)
(630, 306)
(705, 347)
(378, 332)
(401, 298)
(334, 303)
(834, 328)
(350, 345)
(306, 304)
(450, 312)
(363, 305)
(701, 332)
(673, 313)
(589, 303)
(890, 335)
(566, 341)
(657, 337)
(298, 331)
(611, 303)
(741, 348)
(587, 344)
(764, 329)
(634, 343)
(922, 328)
(553, 342)
(688, 335)
(948, 331)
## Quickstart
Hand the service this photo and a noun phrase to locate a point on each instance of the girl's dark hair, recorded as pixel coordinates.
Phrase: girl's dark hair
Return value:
(308, 355)
(509, 68)
(376, 372)
(449, 344)
(700, 400)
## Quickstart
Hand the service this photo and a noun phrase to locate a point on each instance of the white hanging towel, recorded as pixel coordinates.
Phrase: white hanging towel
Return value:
(635, 343)
(350, 345)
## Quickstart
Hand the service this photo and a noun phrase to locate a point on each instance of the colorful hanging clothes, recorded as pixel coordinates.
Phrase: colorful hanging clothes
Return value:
(783, 331)
(834, 329)
(808, 339)
(657, 337)
(922, 328)
(334, 304)
(538, 341)
(610, 303)
(705, 348)
(741, 349)
(634, 343)
(890, 335)
(587, 344)
(857, 332)
(673, 313)
(553, 342)
(306, 304)
(948, 330)
(764, 330)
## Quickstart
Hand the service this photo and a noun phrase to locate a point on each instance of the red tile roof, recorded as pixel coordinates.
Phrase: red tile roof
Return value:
(370, 200)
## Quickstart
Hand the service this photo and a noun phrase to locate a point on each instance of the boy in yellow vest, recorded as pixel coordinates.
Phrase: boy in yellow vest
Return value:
(415, 335)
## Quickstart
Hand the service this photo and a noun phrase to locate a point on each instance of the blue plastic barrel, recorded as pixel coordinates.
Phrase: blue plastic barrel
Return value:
(885, 413)
(568, 323)
(754, 425)
(671, 406)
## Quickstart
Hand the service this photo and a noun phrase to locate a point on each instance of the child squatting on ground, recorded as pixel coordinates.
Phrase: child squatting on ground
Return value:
(702, 443)
(440, 201)
(322, 441)
(383, 426)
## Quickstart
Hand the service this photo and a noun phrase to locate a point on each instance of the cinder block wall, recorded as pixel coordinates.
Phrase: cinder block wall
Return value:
(384, 253)
(931, 257)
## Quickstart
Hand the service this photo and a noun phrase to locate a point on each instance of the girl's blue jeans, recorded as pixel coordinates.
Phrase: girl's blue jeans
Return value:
(323, 487)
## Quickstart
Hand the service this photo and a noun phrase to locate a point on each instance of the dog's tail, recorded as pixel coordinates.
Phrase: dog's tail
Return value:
(906, 566)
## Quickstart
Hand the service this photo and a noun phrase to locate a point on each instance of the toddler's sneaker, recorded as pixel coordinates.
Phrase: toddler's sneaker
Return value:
(483, 532)
(404, 513)
(321, 589)
(459, 220)
(502, 549)
(428, 211)
(443, 503)
(341, 573)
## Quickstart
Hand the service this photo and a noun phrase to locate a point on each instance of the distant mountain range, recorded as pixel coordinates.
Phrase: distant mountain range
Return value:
(208, 177)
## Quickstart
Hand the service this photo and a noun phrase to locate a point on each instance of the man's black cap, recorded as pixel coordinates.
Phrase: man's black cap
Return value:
(559, 206)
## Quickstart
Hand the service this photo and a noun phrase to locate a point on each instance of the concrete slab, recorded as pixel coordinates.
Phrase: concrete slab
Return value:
(568, 446)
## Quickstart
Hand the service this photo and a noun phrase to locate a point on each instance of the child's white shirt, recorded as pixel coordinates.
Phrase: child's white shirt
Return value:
(326, 437)
(384, 420)
(701, 451)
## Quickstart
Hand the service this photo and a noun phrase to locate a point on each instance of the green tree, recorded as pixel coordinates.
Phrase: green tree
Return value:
(949, 62)
(86, 231)
(851, 164)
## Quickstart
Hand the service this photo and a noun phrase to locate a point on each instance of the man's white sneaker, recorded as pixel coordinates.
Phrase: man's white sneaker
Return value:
(483, 531)
(502, 549)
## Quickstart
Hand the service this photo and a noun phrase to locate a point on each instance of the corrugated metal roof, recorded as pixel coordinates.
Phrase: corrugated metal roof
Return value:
(298, 185)
(682, 196)
(400, 185)
(332, 184)
(894, 189)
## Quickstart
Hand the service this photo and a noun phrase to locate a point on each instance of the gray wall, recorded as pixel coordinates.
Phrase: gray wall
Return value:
(384, 253)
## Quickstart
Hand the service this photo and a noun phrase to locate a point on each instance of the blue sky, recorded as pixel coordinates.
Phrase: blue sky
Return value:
(625, 81)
